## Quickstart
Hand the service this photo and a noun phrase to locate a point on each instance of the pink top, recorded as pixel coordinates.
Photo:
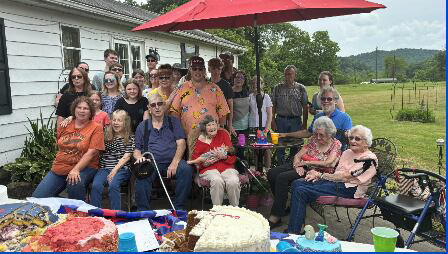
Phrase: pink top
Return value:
(193, 105)
(313, 154)
(362, 181)
(102, 118)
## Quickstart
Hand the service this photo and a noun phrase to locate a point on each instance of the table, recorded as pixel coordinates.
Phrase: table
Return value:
(282, 143)
(347, 246)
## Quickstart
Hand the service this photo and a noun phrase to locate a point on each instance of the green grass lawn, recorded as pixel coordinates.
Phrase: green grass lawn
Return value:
(370, 105)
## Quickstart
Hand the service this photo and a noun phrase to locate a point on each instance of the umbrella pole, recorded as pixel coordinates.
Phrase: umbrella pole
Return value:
(259, 97)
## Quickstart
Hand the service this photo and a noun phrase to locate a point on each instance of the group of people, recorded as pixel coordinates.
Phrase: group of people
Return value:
(186, 120)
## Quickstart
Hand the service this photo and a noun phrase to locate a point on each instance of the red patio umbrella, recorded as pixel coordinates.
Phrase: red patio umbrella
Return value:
(207, 14)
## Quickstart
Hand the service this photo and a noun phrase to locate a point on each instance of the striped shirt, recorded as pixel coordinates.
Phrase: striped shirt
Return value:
(115, 150)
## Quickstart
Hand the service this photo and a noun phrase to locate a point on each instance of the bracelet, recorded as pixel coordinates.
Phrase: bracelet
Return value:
(321, 175)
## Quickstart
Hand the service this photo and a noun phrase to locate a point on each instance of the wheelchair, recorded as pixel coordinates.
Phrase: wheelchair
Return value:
(413, 200)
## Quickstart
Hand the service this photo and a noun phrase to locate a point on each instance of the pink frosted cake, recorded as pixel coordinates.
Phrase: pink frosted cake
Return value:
(78, 234)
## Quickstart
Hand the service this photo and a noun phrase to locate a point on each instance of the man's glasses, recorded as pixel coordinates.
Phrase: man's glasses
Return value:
(85, 69)
(151, 61)
(329, 99)
(197, 68)
(158, 104)
(109, 80)
(164, 78)
(116, 69)
(355, 138)
(76, 77)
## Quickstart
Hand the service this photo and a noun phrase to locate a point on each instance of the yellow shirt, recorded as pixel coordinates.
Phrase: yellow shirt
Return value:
(157, 90)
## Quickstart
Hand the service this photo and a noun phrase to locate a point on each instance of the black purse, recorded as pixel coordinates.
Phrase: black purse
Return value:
(143, 169)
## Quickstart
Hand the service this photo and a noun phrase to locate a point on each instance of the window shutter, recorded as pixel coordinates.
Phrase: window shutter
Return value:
(5, 89)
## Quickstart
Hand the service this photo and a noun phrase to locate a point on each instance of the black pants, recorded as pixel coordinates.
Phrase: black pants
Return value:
(280, 178)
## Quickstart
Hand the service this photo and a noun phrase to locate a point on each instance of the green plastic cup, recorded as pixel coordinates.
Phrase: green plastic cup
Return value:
(384, 239)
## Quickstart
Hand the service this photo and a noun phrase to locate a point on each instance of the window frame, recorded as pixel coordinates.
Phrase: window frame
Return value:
(70, 47)
(184, 56)
(130, 60)
(6, 108)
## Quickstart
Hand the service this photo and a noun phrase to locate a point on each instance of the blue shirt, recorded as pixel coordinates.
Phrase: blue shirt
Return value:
(162, 142)
(343, 123)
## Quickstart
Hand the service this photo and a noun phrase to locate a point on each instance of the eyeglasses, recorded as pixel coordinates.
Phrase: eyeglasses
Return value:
(197, 68)
(158, 104)
(85, 69)
(151, 61)
(355, 138)
(116, 69)
(109, 80)
(76, 77)
(239, 77)
(164, 78)
(329, 99)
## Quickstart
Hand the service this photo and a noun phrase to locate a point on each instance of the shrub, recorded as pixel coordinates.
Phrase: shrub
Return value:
(416, 115)
(38, 153)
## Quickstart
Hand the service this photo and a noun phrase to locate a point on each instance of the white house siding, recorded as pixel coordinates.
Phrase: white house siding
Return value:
(33, 40)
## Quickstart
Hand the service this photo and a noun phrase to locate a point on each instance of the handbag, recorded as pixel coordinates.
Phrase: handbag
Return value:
(143, 169)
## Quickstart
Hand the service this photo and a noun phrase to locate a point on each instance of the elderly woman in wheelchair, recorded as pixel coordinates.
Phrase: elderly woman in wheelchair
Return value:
(212, 157)
(351, 178)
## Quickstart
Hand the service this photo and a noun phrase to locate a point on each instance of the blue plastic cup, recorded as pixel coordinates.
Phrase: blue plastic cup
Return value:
(127, 243)
(284, 246)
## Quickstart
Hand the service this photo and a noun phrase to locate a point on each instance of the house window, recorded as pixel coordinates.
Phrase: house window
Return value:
(187, 51)
(129, 55)
(72, 46)
(5, 89)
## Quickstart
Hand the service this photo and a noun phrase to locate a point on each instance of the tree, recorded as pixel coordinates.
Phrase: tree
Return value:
(395, 69)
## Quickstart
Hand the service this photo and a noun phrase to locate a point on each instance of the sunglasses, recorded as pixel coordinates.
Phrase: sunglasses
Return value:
(329, 99)
(116, 69)
(86, 70)
(76, 77)
(158, 104)
(164, 78)
(355, 138)
(151, 61)
(197, 68)
(109, 80)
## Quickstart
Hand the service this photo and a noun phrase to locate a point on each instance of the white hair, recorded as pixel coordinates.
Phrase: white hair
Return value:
(324, 122)
(364, 131)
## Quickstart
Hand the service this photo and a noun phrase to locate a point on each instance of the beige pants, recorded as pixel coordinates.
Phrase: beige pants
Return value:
(228, 179)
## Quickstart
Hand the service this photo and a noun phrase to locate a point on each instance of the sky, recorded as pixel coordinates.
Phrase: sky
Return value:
(403, 24)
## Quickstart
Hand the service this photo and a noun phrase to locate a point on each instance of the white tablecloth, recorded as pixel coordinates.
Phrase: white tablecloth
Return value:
(348, 246)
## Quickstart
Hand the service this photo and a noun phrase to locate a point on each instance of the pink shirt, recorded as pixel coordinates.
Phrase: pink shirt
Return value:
(102, 118)
(362, 181)
(193, 105)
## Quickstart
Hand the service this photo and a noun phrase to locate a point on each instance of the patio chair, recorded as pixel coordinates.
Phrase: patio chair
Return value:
(386, 153)
(203, 184)
(420, 208)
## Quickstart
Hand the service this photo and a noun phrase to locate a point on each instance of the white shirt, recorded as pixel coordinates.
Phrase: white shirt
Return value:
(253, 114)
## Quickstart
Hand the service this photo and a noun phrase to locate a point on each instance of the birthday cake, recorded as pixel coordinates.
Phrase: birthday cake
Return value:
(20, 221)
(78, 234)
(223, 228)
(317, 242)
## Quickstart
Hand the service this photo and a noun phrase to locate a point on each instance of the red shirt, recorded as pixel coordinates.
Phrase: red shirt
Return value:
(221, 138)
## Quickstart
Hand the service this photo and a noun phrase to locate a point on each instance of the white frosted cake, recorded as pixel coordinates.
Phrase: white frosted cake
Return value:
(223, 228)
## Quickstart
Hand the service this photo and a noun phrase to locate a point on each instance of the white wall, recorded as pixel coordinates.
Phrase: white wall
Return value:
(33, 40)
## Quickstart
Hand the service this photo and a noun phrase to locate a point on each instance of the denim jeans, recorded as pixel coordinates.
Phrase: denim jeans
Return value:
(303, 193)
(184, 175)
(53, 184)
(287, 125)
(122, 175)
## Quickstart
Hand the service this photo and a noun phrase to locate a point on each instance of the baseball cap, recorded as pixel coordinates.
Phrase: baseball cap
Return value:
(197, 61)
(153, 54)
(226, 55)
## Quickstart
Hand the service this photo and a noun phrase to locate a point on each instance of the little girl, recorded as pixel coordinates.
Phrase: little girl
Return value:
(115, 161)
(100, 117)
(111, 92)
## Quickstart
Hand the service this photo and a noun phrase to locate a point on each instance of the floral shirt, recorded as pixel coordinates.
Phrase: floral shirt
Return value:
(313, 154)
(193, 104)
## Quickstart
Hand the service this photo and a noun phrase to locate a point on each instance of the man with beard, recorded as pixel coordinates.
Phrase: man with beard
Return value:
(329, 97)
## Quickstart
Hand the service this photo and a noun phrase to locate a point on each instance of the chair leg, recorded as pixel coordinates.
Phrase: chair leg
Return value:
(203, 198)
(337, 215)
(349, 219)
(129, 197)
(358, 220)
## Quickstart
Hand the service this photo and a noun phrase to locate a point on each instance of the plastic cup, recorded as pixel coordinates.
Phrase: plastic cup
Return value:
(274, 137)
(284, 246)
(127, 243)
(241, 139)
(384, 239)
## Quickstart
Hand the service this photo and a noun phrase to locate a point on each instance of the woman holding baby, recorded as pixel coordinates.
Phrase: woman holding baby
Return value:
(211, 154)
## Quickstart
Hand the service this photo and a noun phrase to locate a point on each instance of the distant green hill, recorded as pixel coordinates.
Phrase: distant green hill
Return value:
(366, 61)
